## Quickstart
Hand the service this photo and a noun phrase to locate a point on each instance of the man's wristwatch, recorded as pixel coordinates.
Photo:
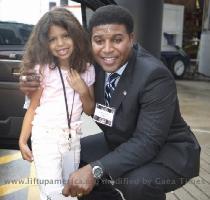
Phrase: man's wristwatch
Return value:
(97, 170)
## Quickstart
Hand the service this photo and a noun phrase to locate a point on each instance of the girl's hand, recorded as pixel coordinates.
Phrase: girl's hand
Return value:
(26, 152)
(76, 82)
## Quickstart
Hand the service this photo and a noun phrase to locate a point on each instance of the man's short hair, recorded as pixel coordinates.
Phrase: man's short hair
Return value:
(111, 14)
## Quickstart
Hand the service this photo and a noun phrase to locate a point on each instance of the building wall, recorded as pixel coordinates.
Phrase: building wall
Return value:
(189, 4)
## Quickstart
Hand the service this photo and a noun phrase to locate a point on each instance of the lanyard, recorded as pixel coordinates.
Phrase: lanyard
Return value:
(65, 97)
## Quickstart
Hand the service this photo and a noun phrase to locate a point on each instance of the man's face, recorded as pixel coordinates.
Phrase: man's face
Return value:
(111, 46)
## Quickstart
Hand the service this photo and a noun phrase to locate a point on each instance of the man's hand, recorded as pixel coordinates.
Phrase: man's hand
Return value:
(29, 82)
(80, 183)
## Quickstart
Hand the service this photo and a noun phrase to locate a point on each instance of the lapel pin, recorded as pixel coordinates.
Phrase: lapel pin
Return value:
(124, 93)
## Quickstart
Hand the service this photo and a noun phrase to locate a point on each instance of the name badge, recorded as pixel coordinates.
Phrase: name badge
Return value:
(104, 114)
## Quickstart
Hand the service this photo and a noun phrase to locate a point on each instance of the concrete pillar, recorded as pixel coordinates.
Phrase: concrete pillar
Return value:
(52, 5)
(63, 2)
(203, 55)
(147, 16)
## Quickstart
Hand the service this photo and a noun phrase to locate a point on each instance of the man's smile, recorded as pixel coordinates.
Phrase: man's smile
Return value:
(109, 60)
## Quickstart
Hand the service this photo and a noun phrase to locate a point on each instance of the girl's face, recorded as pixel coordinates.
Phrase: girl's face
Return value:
(60, 44)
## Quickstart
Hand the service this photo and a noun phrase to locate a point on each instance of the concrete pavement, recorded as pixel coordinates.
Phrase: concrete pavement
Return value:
(194, 98)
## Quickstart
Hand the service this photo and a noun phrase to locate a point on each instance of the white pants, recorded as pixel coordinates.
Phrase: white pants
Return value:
(49, 145)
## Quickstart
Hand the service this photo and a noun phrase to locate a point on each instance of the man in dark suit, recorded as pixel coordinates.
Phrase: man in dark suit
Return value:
(146, 148)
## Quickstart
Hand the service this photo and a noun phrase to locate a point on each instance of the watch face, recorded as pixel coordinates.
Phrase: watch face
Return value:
(97, 172)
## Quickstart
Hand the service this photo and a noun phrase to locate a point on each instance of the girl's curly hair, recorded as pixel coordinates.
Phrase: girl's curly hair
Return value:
(37, 48)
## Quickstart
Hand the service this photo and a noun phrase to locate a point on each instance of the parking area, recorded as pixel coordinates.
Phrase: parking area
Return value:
(17, 177)
(194, 98)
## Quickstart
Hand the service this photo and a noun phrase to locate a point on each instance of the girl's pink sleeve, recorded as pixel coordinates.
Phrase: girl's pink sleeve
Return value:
(89, 75)
(43, 73)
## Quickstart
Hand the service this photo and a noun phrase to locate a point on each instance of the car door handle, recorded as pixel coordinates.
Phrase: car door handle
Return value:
(12, 55)
(16, 71)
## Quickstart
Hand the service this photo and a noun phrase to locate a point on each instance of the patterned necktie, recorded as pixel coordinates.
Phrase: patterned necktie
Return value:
(110, 87)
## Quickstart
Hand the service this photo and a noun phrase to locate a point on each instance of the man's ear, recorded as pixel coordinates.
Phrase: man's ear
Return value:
(132, 37)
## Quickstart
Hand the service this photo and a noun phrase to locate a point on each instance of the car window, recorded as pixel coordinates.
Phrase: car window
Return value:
(14, 33)
(25, 33)
(8, 37)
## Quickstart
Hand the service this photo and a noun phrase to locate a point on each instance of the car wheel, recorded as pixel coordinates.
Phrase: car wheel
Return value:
(163, 60)
(178, 67)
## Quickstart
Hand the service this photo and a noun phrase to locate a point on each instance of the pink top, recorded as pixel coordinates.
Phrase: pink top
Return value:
(52, 111)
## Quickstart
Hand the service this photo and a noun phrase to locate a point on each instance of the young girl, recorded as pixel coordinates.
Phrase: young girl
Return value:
(60, 52)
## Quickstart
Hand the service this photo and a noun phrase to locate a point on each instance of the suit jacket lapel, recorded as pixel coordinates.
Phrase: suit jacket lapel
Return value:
(99, 85)
(124, 83)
